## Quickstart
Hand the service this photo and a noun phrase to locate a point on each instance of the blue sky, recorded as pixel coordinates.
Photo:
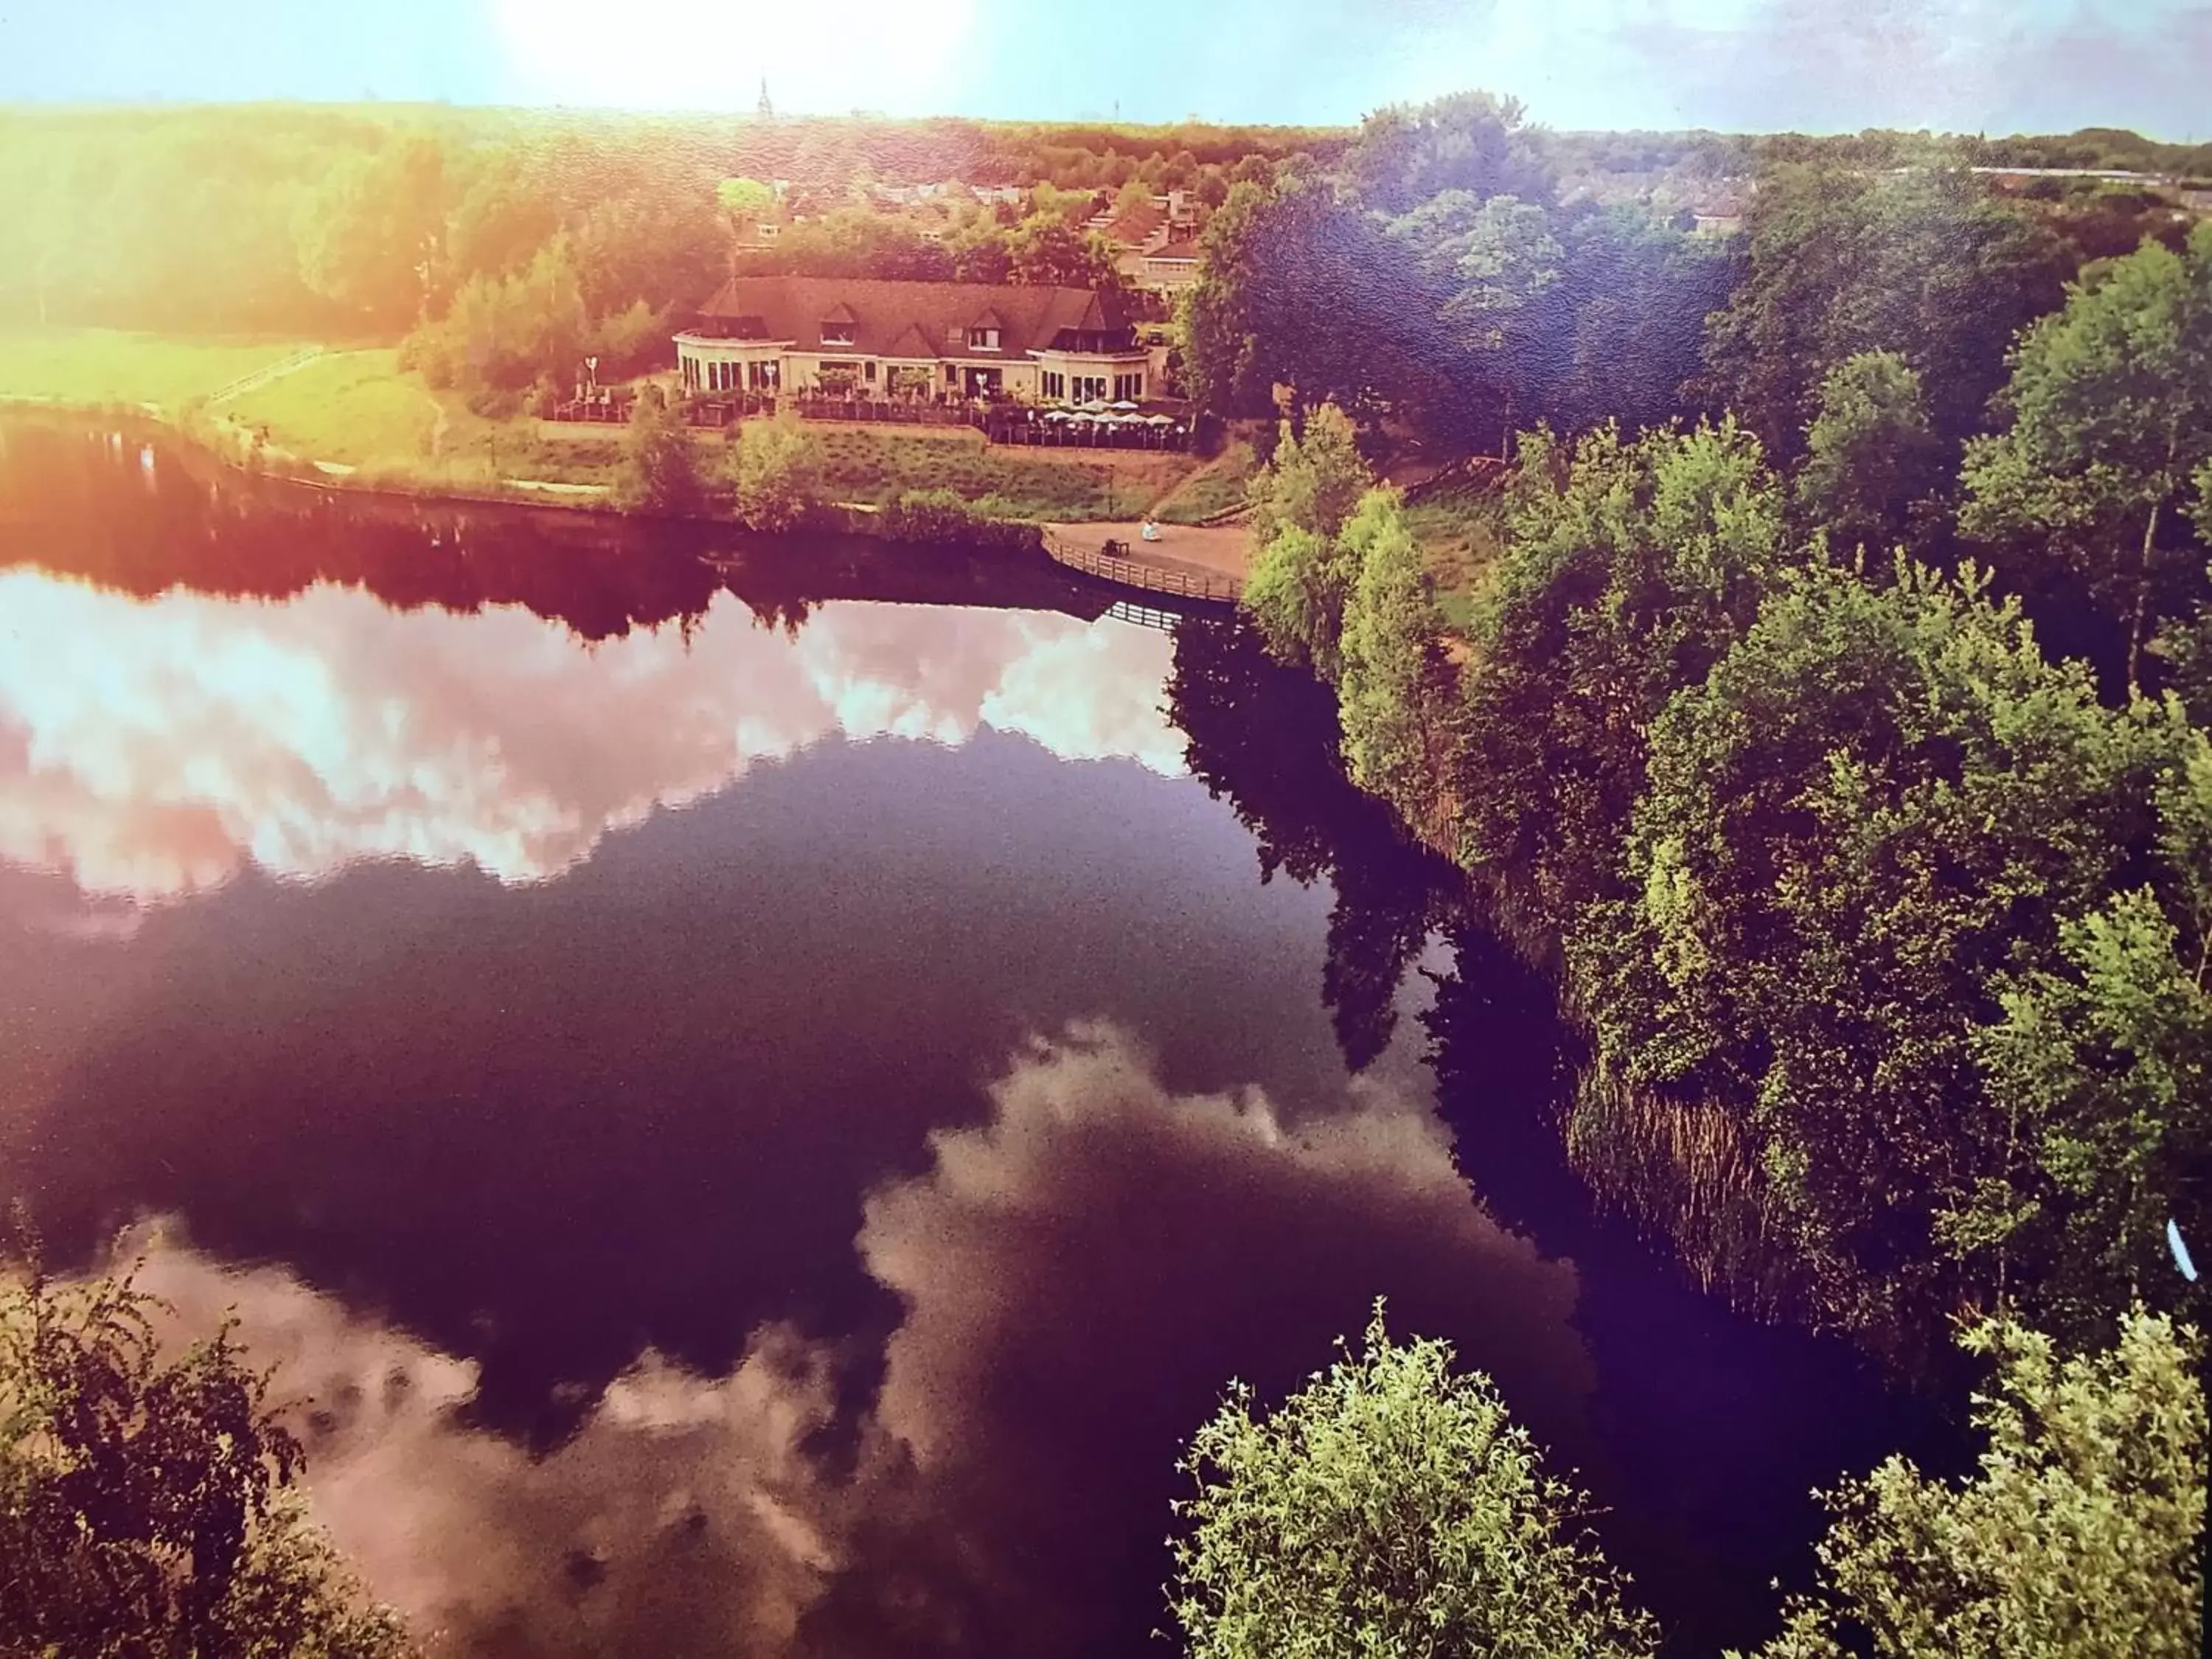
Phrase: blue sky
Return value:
(1816, 65)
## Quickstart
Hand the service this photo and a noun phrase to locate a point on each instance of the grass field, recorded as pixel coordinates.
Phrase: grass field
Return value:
(354, 407)
(1220, 484)
(1459, 533)
(106, 366)
(859, 463)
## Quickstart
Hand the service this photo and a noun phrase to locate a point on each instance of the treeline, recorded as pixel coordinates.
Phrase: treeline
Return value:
(1447, 275)
(362, 220)
(1850, 872)
(1723, 154)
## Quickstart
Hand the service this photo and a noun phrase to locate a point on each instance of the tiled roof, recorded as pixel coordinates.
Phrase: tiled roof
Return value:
(1135, 227)
(910, 319)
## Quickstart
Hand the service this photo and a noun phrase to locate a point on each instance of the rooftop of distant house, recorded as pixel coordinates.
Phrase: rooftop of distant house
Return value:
(883, 319)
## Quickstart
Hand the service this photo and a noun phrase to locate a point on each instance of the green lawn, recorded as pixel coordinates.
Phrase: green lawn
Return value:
(1220, 484)
(354, 407)
(862, 464)
(1459, 533)
(358, 408)
(107, 366)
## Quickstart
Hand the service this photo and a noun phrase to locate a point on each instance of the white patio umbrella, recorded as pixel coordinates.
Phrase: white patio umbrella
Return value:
(1160, 420)
(1125, 407)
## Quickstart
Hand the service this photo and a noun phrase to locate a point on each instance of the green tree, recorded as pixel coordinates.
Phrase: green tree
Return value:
(1840, 260)
(371, 236)
(1870, 454)
(776, 468)
(1298, 286)
(1628, 282)
(856, 241)
(144, 1510)
(1391, 1506)
(505, 332)
(1301, 577)
(1314, 480)
(2103, 1067)
(2110, 403)
(1294, 594)
(661, 473)
(1045, 251)
(1876, 799)
(1496, 269)
(1394, 684)
(744, 198)
(503, 215)
(2078, 1536)
(1630, 567)
(1467, 140)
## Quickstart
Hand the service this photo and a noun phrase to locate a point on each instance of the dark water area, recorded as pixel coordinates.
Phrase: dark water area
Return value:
(754, 1093)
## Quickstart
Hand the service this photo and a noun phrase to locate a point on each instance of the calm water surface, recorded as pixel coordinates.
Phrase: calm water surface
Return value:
(753, 1104)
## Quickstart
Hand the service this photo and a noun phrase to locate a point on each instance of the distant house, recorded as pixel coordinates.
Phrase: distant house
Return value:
(1723, 216)
(920, 340)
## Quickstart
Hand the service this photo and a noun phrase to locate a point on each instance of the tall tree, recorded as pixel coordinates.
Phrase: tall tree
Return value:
(2102, 1066)
(1926, 263)
(1466, 140)
(371, 236)
(1045, 250)
(1630, 568)
(144, 1500)
(1870, 458)
(1876, 800)
(1391, 1506)
(2079, 1532)
(2111, 407)
(1297, 286)
(1394, 684)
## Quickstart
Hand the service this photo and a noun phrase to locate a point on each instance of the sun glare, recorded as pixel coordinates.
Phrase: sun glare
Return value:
(829, 57)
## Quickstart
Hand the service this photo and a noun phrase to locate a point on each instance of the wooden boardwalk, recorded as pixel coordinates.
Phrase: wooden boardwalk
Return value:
(1190, 565)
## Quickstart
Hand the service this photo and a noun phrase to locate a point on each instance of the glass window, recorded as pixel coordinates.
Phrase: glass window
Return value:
(982, 339)
(1128, 388)
(837, 334)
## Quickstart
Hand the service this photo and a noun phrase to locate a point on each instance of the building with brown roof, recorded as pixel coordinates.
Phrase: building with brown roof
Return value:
(922, 340)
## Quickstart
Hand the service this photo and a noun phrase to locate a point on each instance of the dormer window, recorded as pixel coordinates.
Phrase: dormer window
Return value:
(837, 333)
(982, 339)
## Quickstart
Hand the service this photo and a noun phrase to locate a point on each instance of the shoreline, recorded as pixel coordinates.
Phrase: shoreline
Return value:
(231, 444)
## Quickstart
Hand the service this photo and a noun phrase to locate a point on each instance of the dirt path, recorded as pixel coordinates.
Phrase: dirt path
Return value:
(261, 377)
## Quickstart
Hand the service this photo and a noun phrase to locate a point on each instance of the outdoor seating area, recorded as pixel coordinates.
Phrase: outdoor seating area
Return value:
(605, 405)
(1097, 425)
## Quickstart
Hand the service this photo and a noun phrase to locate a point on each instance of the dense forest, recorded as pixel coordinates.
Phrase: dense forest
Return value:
(1831, 723)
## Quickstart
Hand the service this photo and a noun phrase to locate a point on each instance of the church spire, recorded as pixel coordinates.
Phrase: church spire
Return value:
(766, 111)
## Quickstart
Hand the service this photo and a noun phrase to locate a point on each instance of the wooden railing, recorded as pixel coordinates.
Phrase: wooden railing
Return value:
(1148, 578)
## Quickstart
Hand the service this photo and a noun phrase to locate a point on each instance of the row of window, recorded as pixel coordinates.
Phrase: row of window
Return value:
(730, 377)
(1091, 388)
(767, 375)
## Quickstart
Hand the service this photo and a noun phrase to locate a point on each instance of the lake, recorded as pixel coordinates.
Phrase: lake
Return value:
(751, 1095)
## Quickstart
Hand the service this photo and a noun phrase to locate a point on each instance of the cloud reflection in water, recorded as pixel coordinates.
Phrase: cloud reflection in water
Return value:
(148, 749)
(1079, 1276)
